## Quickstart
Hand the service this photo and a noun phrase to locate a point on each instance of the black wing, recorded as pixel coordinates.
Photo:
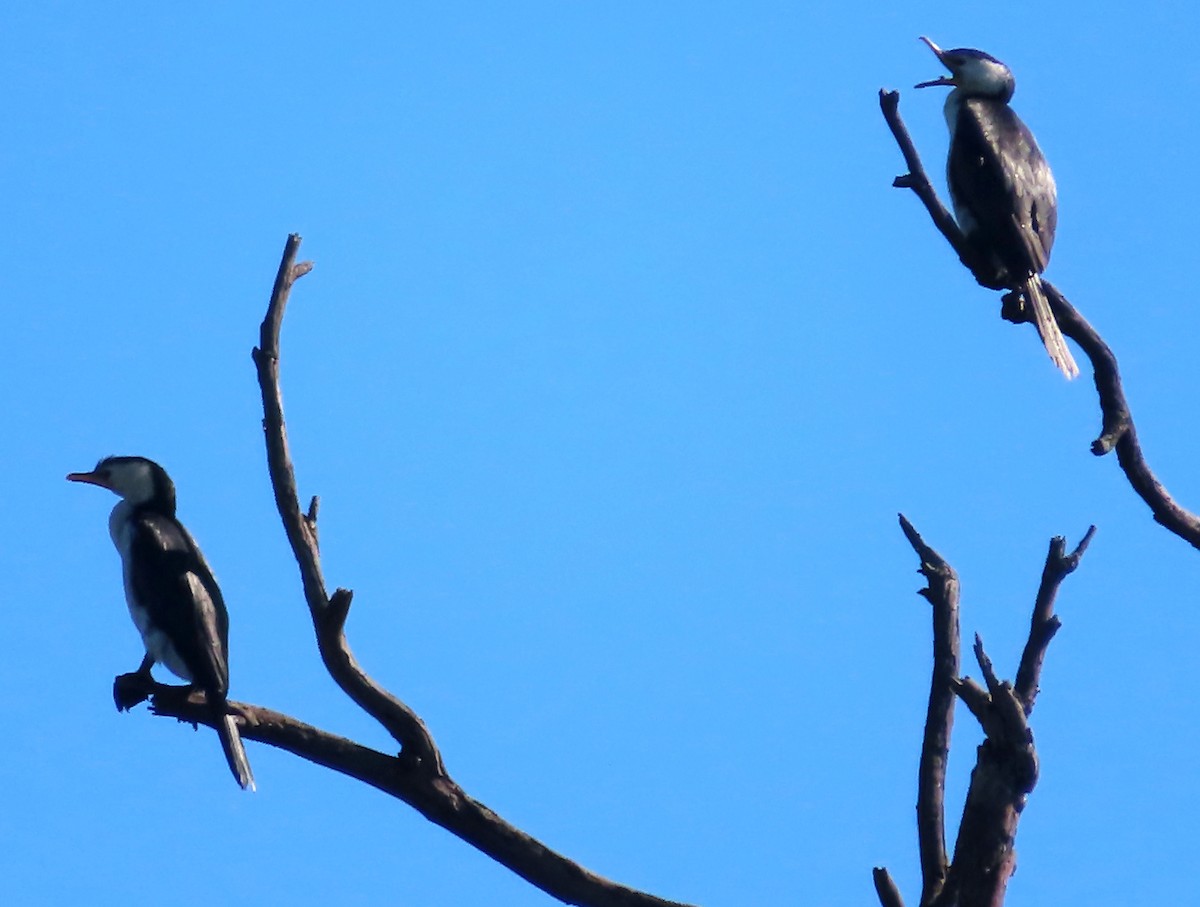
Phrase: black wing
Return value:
(173, 582)
(1002, 188)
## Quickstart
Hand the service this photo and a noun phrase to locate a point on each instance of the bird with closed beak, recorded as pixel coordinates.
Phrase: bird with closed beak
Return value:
(171, 592)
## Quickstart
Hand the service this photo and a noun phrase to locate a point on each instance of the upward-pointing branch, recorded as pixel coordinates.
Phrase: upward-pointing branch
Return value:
(417, 776)
(328, 613)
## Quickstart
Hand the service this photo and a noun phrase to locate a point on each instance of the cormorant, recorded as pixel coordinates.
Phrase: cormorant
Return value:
(1000, 184)
(171, 592)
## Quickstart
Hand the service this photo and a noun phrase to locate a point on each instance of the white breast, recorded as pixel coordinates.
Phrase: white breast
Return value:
(950, 110)
(962, 213)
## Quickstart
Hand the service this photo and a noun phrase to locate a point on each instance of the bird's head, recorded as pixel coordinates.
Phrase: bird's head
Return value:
(136, 479)
(974, 73)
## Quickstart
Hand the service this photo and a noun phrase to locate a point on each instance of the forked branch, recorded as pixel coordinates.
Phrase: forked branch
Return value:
(1006, 764)
(416, 775)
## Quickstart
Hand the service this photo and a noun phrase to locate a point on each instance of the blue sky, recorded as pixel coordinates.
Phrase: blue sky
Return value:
(619, 358)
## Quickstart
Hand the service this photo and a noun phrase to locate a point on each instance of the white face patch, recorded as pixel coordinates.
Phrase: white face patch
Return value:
(132, 480)
(978, 76)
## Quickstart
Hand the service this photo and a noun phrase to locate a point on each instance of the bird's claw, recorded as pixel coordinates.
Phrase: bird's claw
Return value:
(1013, 308)
(129, 690)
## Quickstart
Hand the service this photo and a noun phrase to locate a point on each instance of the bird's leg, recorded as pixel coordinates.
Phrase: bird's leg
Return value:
(133, 688)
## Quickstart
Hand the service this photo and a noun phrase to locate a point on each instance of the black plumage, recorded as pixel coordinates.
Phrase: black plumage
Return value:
(172, 594)
(1001, 186)
(169, 578)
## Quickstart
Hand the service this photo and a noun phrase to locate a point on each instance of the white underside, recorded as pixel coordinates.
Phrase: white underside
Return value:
(950, 109)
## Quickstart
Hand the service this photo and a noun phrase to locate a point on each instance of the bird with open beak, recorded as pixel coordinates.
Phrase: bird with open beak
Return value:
(1002, 190)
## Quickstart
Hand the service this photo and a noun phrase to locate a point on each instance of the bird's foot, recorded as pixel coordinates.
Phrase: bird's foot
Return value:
(1014, 309)
(132, 689)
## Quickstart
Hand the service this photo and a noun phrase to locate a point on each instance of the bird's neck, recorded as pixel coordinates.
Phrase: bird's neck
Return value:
(121, 520)
(119, 526)
(950, 109)
(956, 100)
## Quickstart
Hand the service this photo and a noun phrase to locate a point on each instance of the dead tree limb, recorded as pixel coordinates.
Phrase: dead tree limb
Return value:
(439, 800)
(942, 594)
(885, 887)
(1117, 430)
(416, 775)
(1045, 623)
(328, 613)
(1006, 766)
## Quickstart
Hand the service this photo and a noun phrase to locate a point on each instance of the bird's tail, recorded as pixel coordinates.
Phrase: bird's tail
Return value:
(235, 753)
(1052, 338)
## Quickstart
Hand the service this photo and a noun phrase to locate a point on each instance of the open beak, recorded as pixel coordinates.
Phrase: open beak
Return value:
(91, 478)
(941, 55)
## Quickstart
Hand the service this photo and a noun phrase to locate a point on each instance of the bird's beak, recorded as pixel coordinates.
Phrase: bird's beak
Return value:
(940, 54)
(91, 478)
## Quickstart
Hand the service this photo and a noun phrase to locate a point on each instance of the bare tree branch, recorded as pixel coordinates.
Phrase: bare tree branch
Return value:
(438, 799)
(942, 594)
(1045, 623)
(417, 775)
(1005, 773)
(885, 887)
(1117, 429)
(1006, 765)
(328, 613)
(918, 181)
(974, 697)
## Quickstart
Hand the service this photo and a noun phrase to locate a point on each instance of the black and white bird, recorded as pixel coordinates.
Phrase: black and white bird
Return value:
(172, 595)
(1002, 189)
